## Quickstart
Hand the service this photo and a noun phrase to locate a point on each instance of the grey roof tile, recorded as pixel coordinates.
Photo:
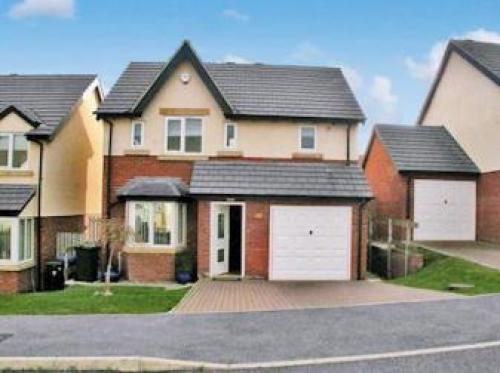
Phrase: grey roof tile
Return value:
(424, 149)
(279, 179)
(14, 197)
(46, 98)
(250, 90)
(161, 187)
(486, 54)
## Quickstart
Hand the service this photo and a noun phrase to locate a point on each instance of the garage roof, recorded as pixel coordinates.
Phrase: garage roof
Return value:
(14, 197)
(278, 179)
(424, 149)
(149, 187)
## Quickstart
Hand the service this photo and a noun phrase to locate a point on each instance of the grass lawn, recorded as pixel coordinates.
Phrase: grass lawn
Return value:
(83, 300)
(440, 271)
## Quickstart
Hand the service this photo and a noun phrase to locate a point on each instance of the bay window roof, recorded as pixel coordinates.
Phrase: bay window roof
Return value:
(153, 187)
(14, 197)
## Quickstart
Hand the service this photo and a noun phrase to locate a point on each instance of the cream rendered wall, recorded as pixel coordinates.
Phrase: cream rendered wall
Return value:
(468, 104)
(72, 175)
(259, 139)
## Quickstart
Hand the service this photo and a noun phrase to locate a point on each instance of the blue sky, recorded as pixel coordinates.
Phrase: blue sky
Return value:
(389, 49)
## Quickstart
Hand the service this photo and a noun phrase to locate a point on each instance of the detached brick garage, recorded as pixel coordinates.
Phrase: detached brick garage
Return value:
(422, 173)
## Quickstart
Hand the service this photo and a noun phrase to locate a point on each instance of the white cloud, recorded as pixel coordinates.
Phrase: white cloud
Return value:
(353, 77)
(234, 58)
(48, 8)
(236, 15)
(306, 52)
(426, 69)
(381, 92)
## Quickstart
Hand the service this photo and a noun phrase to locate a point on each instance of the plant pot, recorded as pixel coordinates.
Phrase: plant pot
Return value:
(183, 277)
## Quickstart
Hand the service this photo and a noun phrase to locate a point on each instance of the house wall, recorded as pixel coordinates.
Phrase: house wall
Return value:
(255, 139)
(466, 102)
(257, 236)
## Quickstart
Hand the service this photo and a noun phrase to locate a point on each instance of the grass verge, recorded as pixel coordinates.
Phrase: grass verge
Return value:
(89, 300)
(440, 271)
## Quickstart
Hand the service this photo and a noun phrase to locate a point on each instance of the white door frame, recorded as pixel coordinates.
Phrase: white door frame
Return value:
(213, 228)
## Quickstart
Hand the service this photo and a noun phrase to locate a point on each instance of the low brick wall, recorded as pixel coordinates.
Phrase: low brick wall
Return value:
(17, 281)
(149, 267)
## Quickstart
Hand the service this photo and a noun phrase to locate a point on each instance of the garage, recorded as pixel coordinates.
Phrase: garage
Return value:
(310, 242)
(445, 210)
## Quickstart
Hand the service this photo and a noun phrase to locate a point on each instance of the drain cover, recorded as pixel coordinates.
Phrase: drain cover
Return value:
(3, 337)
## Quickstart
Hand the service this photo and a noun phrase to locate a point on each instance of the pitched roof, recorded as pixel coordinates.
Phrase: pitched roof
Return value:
(14, 197)
(483, 56)
(278, 179)
(164, 187)
(253, 90)
(424, 149)
(45, 100)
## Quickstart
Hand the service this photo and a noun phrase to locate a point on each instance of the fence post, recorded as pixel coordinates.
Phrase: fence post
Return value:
(407, 245)
(389, 248)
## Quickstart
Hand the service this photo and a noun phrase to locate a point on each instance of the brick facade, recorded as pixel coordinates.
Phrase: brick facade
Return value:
(17, 281)
(149, 267)
(488, 207)
(257, 237)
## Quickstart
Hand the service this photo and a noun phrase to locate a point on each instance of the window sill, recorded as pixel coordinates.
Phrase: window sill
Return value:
(137, 151)
(182, 157)
(307, 155)
(16, 267)
(153, 250)
(13, 172)
(230, 153)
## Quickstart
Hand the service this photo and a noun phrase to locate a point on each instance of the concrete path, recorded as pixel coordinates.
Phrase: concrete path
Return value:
(257, 295)
(258, 336)
(484, 253)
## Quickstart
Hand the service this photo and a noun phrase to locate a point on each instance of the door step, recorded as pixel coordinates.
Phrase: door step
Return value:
(227, 277)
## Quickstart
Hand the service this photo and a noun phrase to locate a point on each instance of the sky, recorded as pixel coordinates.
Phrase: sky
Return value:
(389, 50)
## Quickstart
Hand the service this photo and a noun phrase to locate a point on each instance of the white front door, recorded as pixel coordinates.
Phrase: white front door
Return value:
(445, 210)
(310, 242)
(220, 239)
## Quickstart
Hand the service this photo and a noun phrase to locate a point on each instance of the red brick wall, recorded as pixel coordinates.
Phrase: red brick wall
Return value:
(203, 241)
(488, 207)
(257, 239)
(149, 267)
(17, 282)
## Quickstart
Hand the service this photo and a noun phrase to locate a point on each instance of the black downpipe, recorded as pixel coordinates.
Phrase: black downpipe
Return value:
(348, 149)
(360, 236)
(409, 191)
(39, 218)
(109, 169)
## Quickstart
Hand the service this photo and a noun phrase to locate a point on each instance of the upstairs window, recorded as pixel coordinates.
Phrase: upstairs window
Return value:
(137, 134)
(307, 138)
(184, 135)
(230, 136)
(13, 151)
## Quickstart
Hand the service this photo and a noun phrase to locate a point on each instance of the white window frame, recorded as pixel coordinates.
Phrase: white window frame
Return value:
(132, 132)
(300, 138)
(235, 141)
(183, 136)
(10, 154)
(15, 230)
(174, 224)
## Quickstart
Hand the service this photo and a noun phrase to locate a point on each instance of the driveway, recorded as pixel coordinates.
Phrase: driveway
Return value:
(484, 253)
(257, 295)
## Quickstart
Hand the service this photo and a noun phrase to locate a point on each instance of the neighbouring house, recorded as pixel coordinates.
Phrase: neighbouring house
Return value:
(50, 169)
(465, 99)
(423, 174)
(253, 167)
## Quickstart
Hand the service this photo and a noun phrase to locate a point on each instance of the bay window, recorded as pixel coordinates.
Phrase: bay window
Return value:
(13, 151)
(17, 240)
(184, 135)
(157, 223)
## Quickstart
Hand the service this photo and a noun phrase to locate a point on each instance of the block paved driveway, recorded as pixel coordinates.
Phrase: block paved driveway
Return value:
(208, 296)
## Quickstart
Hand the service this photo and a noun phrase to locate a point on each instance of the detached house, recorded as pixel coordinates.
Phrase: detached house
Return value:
(50, 169)
(252, 167)
(465, 98)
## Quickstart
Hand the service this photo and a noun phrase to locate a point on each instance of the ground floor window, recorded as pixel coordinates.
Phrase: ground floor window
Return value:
(17, 240)
(157, 223)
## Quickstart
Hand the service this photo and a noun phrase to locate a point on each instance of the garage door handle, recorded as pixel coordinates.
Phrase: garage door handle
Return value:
(310, 233)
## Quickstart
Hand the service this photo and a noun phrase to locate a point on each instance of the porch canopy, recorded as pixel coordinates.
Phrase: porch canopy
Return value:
(15, 197)
(150, 188)
(279, 179)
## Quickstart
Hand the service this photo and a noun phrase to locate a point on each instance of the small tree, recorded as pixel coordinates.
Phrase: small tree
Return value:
(114, 234)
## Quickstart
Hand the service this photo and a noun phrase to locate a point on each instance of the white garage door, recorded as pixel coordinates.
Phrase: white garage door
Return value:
(310, 242)
(445, 210)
